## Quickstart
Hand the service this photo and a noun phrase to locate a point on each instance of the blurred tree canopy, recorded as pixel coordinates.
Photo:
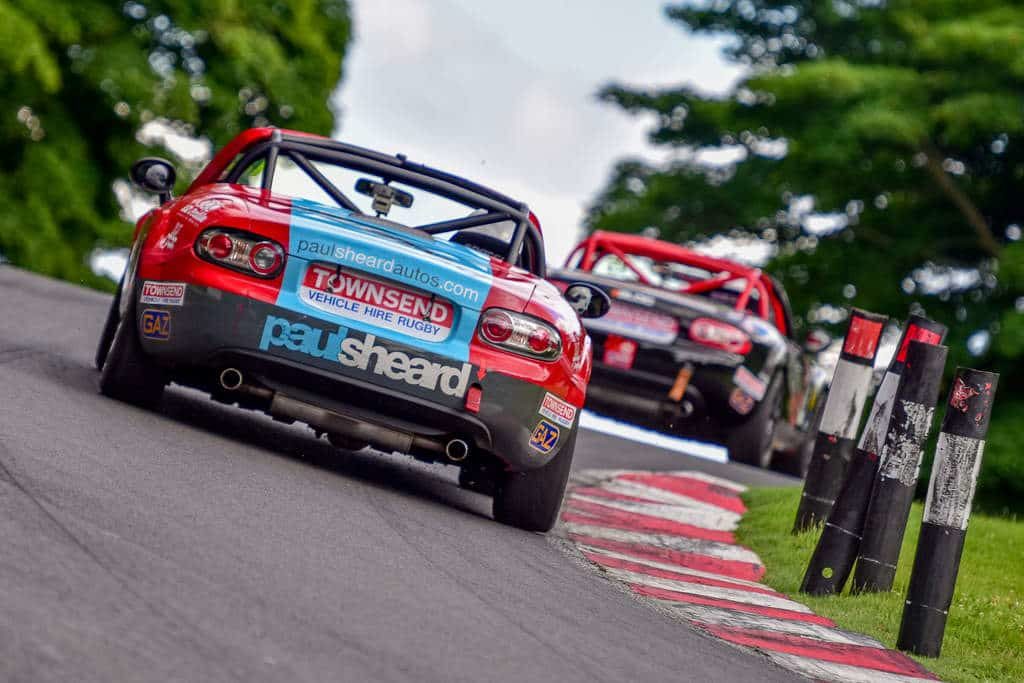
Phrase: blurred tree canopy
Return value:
(80, 80)
(879, 149)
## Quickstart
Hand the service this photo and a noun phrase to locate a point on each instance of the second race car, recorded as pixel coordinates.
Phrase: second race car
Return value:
(699, 346)
(295, 276)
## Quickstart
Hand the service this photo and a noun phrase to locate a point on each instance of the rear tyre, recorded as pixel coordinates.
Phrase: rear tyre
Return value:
(531, 500)
(750, 442)
(128, 374)
(109, 328)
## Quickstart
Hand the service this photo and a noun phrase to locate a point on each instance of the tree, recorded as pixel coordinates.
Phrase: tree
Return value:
(901, 122)
(79, 79)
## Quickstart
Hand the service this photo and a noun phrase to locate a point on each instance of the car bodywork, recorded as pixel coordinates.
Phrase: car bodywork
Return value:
(368, 329)
(700, 354)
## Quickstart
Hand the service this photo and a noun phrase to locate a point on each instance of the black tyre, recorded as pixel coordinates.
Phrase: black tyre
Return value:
(531, 500)
(109, 328)
(750, 442)
(128, 374)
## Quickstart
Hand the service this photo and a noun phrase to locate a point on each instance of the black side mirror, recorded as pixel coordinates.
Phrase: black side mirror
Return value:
(816, 341)
(155, 175)
(587, 300)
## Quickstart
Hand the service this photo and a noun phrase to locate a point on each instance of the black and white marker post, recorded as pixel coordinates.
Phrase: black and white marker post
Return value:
(946, 511)
(840, 418)
(834, 556)
(895, 483)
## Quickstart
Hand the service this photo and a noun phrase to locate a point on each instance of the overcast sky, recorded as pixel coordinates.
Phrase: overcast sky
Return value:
(504, 92)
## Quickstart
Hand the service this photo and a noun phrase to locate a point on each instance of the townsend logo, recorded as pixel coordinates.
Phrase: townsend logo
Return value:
(163, 293)
(378, 303)
(557, 410)
(366, 355)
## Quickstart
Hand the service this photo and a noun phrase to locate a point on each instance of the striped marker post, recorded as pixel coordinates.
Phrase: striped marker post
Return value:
(836, 552)
(947, 509)
(840, 418)
(894, 486)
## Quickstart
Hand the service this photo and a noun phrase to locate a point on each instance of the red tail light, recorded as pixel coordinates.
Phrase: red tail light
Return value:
(520, 334)
(241, 251)
(719, 335)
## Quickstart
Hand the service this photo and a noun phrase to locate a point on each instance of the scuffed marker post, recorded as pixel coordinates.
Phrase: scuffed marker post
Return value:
(946, 511)
(894, 486)
(834, 444)
(836, 551)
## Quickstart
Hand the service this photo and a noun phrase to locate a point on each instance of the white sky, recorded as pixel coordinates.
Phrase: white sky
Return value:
(504, 92)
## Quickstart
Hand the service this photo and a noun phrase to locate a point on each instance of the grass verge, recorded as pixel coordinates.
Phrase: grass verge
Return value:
(985, 632)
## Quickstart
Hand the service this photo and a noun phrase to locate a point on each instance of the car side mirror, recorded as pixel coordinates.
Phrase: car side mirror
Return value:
(816, 341)
(587, 300)
(155, 175)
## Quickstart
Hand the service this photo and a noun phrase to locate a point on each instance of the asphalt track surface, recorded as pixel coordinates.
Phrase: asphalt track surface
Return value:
(205, 543)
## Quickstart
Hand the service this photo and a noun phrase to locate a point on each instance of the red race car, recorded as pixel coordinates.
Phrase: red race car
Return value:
(700, 346)
(295, 276)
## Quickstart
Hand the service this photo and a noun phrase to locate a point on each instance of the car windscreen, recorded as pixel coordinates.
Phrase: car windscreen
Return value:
(330, 182)
(672, 276)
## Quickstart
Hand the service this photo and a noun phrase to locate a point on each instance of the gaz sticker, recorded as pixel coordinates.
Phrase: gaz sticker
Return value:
(544, 437)
(156, 324)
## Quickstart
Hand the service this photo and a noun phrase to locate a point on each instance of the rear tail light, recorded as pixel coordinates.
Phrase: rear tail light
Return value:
(241, 251)
(520, 334)
(719, 335)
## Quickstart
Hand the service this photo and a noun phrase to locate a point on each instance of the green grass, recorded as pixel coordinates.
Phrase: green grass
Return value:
(985, 632)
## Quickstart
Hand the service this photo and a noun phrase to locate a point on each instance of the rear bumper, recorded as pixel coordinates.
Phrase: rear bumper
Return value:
(364, 378)
(644, 397)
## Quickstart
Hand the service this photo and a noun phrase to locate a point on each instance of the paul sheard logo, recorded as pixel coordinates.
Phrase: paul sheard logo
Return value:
(366, 355)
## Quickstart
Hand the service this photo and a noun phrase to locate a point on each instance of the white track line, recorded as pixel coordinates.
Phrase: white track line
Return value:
(630, 432)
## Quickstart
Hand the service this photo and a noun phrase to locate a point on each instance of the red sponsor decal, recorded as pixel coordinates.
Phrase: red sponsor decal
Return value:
(862, 339)
(558, 410)
(166, 293)
(916, 333)
(619, 353)
(379, 303)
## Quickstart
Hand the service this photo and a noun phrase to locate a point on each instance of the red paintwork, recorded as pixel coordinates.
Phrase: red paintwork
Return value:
(745, 571)
(734, 605)
(621, 244)
(269, 215)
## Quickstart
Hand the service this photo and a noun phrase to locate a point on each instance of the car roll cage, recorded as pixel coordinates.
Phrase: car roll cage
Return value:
(271, 144)
(622, 246)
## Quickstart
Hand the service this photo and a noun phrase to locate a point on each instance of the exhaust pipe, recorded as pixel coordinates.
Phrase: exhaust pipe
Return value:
(231, 379)
(456, 450)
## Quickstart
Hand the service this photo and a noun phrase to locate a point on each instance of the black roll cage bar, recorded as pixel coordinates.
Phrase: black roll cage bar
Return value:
(300, 149)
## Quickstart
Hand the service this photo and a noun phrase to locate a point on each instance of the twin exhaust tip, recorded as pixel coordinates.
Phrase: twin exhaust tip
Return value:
(231, 379)
(456, 450)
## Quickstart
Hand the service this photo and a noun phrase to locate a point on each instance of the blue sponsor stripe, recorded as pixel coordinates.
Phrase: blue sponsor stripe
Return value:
(333, 235)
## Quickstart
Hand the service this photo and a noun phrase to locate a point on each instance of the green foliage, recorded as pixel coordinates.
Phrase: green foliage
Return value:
(985, 631)
(78, 80)
(904, 120)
